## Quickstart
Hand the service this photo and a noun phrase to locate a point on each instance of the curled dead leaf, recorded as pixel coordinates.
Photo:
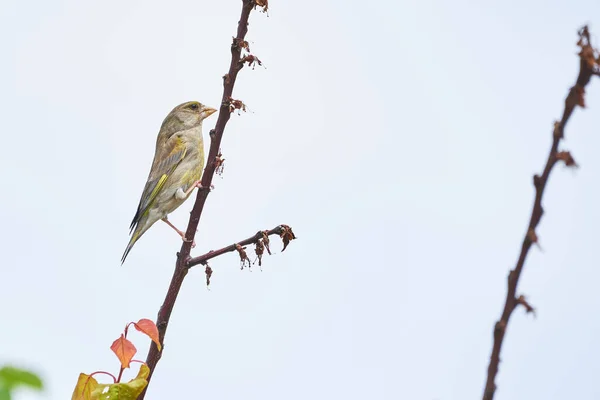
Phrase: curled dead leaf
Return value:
(219, 164)
(287, 235)
(236, 105)
(262, 3)
(252, 60)
(567, 158)
(208, 271)
(244, 260)
(259, 249)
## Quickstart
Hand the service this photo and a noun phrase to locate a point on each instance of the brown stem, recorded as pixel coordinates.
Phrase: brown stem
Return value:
(216, 253)
(216, 135)
(587, 68)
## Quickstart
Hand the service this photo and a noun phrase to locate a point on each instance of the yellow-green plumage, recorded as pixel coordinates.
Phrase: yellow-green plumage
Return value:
(176, 168)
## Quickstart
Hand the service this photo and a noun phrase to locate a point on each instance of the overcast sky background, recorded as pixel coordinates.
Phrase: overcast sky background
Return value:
(398, 139)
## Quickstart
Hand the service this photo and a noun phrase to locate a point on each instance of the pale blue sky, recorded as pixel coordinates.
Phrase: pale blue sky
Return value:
(398, 139)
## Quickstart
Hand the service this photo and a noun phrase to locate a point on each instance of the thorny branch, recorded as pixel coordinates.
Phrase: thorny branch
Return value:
(214, 164)
(588, 66)
(261, 238)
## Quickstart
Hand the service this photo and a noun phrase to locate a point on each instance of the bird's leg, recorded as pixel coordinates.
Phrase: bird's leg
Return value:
(198, 184)
(180, 194)
(180, 233)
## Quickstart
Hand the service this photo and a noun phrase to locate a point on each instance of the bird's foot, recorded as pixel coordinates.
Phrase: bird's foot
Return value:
(187, 240)
(198, 184)
(179, 232)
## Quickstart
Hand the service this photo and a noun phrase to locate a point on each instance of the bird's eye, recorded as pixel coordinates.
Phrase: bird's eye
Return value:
(194, 106)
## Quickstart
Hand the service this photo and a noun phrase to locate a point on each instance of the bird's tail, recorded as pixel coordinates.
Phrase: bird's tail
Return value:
(134, 238)
(137, 233)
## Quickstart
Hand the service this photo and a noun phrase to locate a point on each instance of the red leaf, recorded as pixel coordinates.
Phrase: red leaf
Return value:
(149, 328)
(124, 349)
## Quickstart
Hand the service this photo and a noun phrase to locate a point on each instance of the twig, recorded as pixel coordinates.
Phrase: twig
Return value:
(183, 257)
(588, 66)
(279, 230)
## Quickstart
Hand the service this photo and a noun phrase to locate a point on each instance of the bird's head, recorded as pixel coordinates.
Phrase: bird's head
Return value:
(186, 116)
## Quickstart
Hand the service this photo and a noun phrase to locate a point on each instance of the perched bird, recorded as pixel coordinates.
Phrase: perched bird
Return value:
(176, 169)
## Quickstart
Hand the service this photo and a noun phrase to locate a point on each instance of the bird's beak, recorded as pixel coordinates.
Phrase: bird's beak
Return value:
(208, 111)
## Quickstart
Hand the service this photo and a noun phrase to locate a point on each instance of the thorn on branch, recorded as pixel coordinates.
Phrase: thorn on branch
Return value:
(499, 328)
(252, 60)
(533, 238)
(226, 79)
(558, 131)
(567, 158)
(528, 308)
(286, 235)
(208, 271)
(234, 104)
(244, 260)
(537, 181)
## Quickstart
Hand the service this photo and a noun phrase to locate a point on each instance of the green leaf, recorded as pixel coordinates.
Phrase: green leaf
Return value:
(126, 391)
(4, 394)
(11, 377)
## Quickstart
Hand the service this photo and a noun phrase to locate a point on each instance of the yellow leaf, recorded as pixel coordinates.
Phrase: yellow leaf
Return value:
(85, 385)
(144, 372)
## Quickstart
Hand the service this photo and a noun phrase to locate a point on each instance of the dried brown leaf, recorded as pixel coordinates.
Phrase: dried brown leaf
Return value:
(252, 60)
(259, 249)
(567, 158)
(286, 235)
(208, 271)
(244, 260)
(236, 105)
(266, 241)
(262, 3)
(219, 164)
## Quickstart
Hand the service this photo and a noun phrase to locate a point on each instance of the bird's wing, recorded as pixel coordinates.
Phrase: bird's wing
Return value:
(166, 159)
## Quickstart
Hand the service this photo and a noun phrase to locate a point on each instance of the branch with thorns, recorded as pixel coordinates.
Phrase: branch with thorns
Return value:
(184, 261)
(589, 60)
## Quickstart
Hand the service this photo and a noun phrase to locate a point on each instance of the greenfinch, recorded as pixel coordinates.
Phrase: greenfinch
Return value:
(176, 169)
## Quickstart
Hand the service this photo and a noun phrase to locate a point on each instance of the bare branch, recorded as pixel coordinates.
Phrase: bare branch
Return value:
(183, 257)
(588, 66)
